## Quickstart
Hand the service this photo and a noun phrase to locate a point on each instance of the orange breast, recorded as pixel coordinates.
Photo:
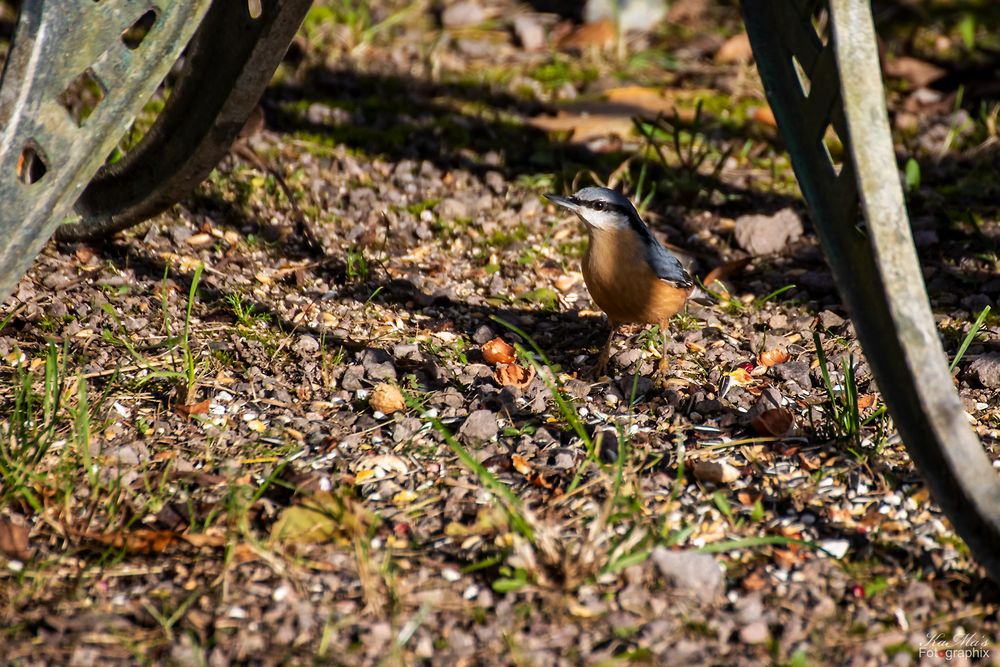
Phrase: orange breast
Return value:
(622, 284)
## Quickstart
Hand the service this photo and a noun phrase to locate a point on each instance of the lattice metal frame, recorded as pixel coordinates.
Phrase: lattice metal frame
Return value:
(47, 155)
(874, 262)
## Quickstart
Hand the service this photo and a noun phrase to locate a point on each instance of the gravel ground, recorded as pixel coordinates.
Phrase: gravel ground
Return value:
(388, 451)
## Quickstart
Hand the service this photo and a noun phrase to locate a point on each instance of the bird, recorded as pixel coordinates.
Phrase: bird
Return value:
(629, 275)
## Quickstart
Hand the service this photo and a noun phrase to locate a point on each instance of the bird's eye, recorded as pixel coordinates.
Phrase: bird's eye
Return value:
(598, 205)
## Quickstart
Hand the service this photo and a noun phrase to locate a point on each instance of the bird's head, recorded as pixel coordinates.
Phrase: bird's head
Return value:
(601, 208)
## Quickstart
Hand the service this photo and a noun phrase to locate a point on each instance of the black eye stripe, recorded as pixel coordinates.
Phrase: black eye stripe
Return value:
(601, 205)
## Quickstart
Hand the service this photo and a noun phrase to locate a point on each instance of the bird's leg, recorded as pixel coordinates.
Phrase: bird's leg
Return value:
(665, 334)
(602, 358)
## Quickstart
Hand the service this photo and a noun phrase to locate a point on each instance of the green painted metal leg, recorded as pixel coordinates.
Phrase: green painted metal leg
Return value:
(814, 83)
(114, 53)
(226, 67)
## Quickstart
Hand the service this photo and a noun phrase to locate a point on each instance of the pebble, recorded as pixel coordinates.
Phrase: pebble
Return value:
(755, 633)
(767, 234)
(463, 14)
(794, 371)
(986, 370)
(530, 32)
(480, 426)
(696, 574)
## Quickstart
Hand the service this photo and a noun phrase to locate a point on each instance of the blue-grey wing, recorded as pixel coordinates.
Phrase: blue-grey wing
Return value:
(667, 267)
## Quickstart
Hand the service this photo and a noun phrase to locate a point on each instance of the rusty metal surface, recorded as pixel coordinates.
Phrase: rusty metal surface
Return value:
(874, 261)
(227, 66)
(49, 151)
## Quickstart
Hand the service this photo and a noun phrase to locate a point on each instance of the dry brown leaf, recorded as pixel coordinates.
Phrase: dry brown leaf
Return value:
(865, 401)
(919, 73)
(654, 101)
(778, 355)
(387, 399)
(14, 541)
(726, 269)
(521, 464)
(774, 422)
(84, 254)
(600, 34)
(736, 49)
(138, 541)
(214, 540)
(584, 126)
(499, 351)
(323, 517)
(512, 375)
(200, 408)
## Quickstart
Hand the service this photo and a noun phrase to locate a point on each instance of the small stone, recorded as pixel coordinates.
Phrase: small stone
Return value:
(480, 426)
(306, 344)
(462, 14)
(749, 609)
(483, 335)
(986, 370)
(836, 548)
(769, 399)
(794, 371)
(637, 15)
(717, 472)
(450, 208)
(755, 633)
(530, 32)
(696, 574)
(496, 182)
(766, 234)
(351, 380)
(830, 319)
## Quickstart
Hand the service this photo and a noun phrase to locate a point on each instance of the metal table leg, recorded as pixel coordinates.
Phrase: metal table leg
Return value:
(813, 83)
(226, 67)
(50, 145)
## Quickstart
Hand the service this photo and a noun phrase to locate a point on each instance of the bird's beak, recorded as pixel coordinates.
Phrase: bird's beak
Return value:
(565, 202)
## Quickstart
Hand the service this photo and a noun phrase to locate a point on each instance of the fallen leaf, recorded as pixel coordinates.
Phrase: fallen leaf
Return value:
(521, 464)
(865, 401)
(919, 73)
(775, 422)
(600, 34)
(403, 498)
(387, 399)
(14, 539)
(736, 49)
(512, 375)
(214, 539)
(387, 462)
(200, 240)
(741, 376)
(84, 254)
(773, 357)
(787, 558)
(725, 270)
(199, 408)
(498, 351)
(323, 517)
(138, 541)
(584, 126)
(654, 101)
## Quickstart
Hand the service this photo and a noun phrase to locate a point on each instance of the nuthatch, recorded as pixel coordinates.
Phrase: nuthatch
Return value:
(631, 277)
